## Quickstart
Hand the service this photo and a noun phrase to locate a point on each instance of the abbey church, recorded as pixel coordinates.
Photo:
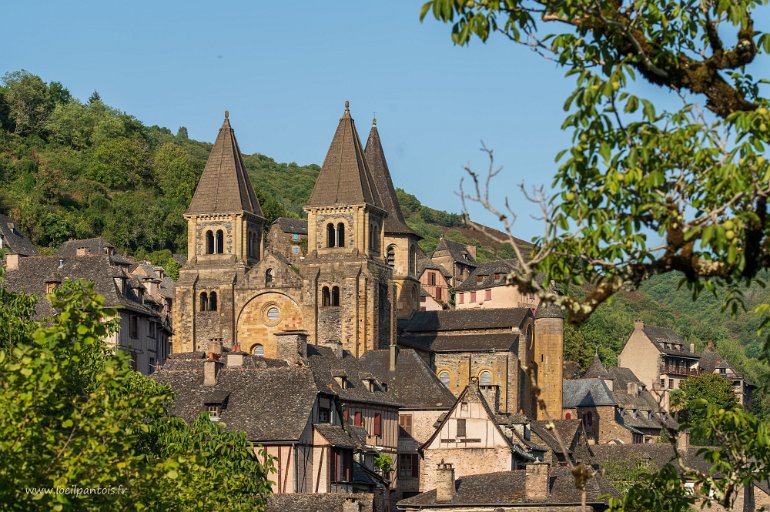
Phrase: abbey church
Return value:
(358, 275)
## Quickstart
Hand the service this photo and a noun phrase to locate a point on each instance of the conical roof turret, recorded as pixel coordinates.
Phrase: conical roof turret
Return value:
(224, 186)
(345, 178)
(378, 165)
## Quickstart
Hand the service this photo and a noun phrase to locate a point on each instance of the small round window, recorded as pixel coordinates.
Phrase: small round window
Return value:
(273, 314)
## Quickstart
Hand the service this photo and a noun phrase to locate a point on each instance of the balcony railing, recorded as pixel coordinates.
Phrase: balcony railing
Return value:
(678, 370)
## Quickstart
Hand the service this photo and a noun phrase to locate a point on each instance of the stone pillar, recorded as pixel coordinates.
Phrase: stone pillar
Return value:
(536, 481)
(210, 369)
(445, 482)
(549, 357)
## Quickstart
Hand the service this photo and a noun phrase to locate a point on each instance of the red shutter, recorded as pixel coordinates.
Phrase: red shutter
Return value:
(488, 294)
(377, 424)
(357, 418)
(345, 415)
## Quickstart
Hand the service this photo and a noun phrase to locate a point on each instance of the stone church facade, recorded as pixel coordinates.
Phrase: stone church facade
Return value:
(358, 277)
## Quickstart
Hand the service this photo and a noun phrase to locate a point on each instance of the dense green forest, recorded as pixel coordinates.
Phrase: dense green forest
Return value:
(72, 169)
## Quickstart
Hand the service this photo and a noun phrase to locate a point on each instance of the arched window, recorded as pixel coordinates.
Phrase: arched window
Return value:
(340, 235)
(213, 301)
(330, 235)
(390, 256)
(325, 297)
(269, 277)
(273, 314)
(220, 241)
(485, 379)
(336, 296)
(258, 350)
(444, 378)
(204, 305)
(209, 242)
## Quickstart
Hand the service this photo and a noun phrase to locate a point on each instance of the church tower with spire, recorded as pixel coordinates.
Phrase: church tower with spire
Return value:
(225, 227)
(400, 240)
(346, 264)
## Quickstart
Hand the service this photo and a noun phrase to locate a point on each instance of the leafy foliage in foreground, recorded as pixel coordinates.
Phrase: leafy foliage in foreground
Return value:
(75, 416)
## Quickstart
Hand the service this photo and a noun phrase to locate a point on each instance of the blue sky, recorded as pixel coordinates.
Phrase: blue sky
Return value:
(284, 70)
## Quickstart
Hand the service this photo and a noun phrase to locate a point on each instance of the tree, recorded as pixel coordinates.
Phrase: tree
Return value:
(695, 175)
(76, 417)
(29, 101)
(695, 391)
(16, 315)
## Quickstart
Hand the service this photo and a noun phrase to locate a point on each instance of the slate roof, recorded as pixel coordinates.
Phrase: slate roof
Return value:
(428, 264)
(656, 454)
(508, 341)
(224, 186)
(327, 502)
(375, 157)
(413, 385)
(568, 431)
(663, 336)
(596, 370)
(507, 488)
(336, 435)
(466, 319)
(325, 365)
(345, 178)
(94, 246)
(35, 271)
(487, 271)
(711, 360)
(287, 225)
(458, 252)
(270, 404)
(586, 393)
(13, 239)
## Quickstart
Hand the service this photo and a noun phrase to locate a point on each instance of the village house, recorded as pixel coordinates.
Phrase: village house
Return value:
(712, 361)
(537, 487)
(288, 237)
(566, 440)
(486, 287)
(144, 330)
(661, 360)
(12, 240)
(435, 283)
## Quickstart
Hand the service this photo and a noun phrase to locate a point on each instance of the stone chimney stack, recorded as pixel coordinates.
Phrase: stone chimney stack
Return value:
(81, 251)
(214, 348)
(393, 357)
(683, 441)
(536, 481)
(692, 347)
(235, 356)
(210, 370)
(471, 250)
(12, 262)
(445, 481)
(710, 345)
(351, 505)
(291, 346)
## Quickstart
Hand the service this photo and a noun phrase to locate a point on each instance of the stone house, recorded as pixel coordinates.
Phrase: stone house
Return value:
(428, 303)
(358, 275)
(614, 406)
(288, 237)
(144, 331)
(459, 259)
(486, 287)
(566, 440)
(12, 240)
(435, 282)
(712, 361)
(493, 346)
(537, 487)
(477, 439)
(327, 502)
(423, 398)
(661, 360)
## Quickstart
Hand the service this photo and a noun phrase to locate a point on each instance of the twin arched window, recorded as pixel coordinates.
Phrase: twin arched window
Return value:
(390, 255)
(335, 236)
(330, 297)
(208, 302)
(215, 243)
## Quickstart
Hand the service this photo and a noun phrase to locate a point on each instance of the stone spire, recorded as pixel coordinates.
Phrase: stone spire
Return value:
(345, 178)
(375, 157)
(596, 370)
(224, 186)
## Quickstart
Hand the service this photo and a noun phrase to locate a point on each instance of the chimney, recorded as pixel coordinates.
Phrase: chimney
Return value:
(336, 346)
(683, 441)
(471, 250)
(351, 505)
(291, 346)
(710, 345)
(692, 347)
(235, 359)
(393, 357)
(536, 481)
(492, 396)
(632, 389)
(445, 481)
(210, 369)
(12, 262)
(638, 325)
(81, 251)
(215, 348)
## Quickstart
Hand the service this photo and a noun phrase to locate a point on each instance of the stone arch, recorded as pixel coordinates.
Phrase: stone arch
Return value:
(253, 325)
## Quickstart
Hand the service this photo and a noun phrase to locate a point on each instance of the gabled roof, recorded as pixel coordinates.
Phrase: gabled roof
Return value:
(712, 360)
(413, 384)
(567, 430)
(428, 264)
(508, 489)
(596, 370)
(487, 271)
(288, 225)
(586, 393)
(457, 251)
(11, 238)
(466, 319)
(508, 341)
(668, 342)
(345, 178)
(224, 186)
(375, 157)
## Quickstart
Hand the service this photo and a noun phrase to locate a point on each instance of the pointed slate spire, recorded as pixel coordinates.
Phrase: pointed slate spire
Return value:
(375, 157)
(224, 186)
(345, 178)
(596, 370)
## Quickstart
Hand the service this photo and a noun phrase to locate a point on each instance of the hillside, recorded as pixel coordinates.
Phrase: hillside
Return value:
(73, 169)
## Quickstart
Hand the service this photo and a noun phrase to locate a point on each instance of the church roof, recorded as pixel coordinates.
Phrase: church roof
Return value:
(375, 157)
(225, 186)
(596, 370)
(345, 178)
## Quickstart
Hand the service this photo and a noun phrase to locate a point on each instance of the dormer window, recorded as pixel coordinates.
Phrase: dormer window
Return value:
(480, 279)
(341, 378)
(214, 412)
(324, 410)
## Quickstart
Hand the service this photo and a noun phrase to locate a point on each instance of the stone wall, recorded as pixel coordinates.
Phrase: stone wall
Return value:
(504, 367)
(468, 461)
